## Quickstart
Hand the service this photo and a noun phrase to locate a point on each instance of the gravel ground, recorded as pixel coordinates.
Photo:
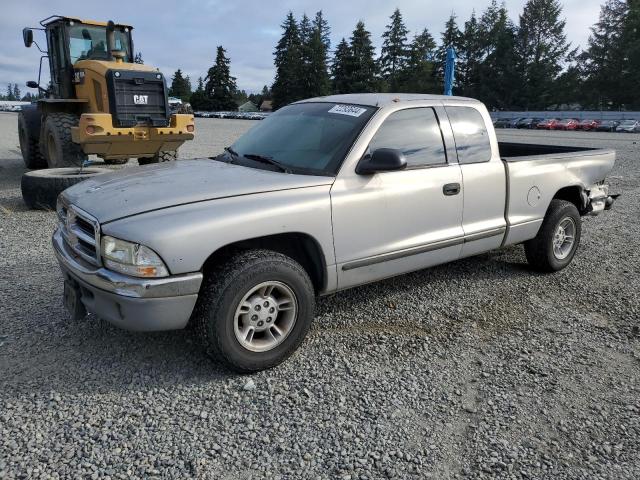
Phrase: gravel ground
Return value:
(476, 369)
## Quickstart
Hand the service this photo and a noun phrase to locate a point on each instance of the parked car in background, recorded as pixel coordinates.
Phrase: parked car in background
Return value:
(502, 123)
(588, 124)
(608, 126)
(628, 126)
(528, 122)
(548, 124)
(567, 124)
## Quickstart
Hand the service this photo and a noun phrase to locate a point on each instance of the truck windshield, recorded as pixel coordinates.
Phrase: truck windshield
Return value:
(89, 42)
(308, 138)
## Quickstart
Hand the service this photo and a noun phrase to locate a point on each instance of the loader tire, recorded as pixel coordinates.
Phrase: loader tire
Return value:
(116, 161)
(59, 150)
(40, 188)
(29, 135)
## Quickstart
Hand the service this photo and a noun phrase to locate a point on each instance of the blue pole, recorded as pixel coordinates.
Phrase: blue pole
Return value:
(449, 71)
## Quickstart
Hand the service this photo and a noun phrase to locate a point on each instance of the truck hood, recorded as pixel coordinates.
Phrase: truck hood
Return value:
(136, 190)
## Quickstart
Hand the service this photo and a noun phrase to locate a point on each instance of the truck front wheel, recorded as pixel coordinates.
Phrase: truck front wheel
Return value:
(558, 238)
(159, 157)
(58, 148)
(254, 310)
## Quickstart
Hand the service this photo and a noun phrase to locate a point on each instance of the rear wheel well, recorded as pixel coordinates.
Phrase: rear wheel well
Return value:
(574, 194)
(301, 247)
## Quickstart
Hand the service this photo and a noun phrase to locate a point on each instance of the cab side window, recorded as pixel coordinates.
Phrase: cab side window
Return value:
(416, 133)
(470, 134)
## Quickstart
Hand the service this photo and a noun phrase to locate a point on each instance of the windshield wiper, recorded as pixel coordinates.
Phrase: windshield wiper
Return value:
(268, 160)
(231, 152)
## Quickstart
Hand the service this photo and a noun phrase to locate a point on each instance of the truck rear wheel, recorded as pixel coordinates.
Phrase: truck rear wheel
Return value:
(254, 310)
(40, 188)
(29, 135)
(159, 157)
(59, 149)
(558, 238)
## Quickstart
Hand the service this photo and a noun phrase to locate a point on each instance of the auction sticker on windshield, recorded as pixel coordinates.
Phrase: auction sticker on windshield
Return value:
(350, 110)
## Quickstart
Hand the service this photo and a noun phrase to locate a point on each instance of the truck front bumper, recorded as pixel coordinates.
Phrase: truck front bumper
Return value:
(140, 304)
(97, 135)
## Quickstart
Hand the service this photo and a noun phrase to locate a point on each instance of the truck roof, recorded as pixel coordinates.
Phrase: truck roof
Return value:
(382, 99)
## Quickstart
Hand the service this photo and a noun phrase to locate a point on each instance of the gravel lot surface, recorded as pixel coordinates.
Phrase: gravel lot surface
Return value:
(476, 369)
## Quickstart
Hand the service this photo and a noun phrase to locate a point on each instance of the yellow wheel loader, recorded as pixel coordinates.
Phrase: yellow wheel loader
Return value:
(98, 100)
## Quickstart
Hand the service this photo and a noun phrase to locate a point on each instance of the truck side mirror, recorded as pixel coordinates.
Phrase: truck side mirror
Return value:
(27, 36)
(32, 84)
(382, 160)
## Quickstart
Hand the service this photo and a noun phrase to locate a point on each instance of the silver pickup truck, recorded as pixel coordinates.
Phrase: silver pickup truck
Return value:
(323, 195)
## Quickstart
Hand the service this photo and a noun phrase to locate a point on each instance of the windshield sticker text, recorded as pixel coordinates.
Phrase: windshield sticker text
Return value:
(350, 110)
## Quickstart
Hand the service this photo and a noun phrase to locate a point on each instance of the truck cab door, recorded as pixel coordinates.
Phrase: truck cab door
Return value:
(483, 176)
(59, 64)
(387, 223)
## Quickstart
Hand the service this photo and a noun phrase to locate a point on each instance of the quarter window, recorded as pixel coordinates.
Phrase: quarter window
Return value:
(415, 132)
(470, 134)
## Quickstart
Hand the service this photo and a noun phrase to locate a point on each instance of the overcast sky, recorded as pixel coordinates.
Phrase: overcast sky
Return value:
(184, 33)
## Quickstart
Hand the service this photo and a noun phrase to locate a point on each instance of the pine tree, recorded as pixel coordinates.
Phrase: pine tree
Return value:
(470, 58)
(316, 62)
(603, 60)
(340, 67)
(394, 53)
(288, 84)
(198, 98)
(16, 91)
(497, 73)
(362, 70)
(541, 48)
(138, 58)
(320, 23)
(631, 42)
(304, 27)
(451, 37)
(187, 87)
(266, 93)
(180, 86)
(418, 74)
(220, 86)
(9, 96)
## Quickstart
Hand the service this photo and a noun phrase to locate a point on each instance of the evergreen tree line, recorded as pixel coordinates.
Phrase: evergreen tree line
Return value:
(217, 91)
(529, 65)
(12, 93)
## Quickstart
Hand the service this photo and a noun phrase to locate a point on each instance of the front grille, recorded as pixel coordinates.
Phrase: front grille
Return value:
(137, 98)
(81, 232)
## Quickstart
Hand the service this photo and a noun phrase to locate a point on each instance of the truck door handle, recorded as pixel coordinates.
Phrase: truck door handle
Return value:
(451, 189)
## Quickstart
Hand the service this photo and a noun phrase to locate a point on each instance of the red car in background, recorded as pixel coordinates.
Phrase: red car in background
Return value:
(548, 124)
(587, 125)
(567, 124)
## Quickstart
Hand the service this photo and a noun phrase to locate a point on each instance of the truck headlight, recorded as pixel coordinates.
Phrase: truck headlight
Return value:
(131, 258)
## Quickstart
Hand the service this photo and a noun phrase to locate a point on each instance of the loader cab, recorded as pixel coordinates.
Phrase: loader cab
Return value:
(70, 40)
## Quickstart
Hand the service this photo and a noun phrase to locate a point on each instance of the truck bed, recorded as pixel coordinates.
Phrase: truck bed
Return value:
(536, 173)
(513, 152)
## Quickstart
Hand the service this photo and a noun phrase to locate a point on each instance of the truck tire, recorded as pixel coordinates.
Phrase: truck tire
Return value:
(29, 135)
(558, 238)
(40, 188)
(254, 310)
(159, 157)
(58, 148)
(115, 161)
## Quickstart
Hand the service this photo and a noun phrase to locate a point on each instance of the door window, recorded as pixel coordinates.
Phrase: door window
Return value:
(470, 134)
(416, 133)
